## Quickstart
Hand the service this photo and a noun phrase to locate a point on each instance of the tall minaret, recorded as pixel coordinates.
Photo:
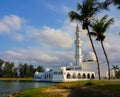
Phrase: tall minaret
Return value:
(78, 44)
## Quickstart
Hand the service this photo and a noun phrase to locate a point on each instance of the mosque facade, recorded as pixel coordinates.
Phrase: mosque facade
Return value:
(81, 70)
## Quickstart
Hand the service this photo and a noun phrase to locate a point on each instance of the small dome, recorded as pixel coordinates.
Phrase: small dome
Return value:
(36, 73)
(91, 57)
(47, 69)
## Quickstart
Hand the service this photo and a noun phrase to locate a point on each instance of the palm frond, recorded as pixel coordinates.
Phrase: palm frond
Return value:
(79, 6)
(108, 23)
(100, 26)
(74, 16)
(93, 34)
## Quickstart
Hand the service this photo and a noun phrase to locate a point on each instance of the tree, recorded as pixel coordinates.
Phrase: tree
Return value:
(117, 73)
(87, 10)
(99, 29)
(108, 2)
(32, 70)
(8, 70)
(1, 64)
(40, 69)
(115, 68)
(24, 70)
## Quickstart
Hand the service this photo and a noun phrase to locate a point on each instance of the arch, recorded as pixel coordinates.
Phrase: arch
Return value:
(79, 75)
(83, 76)
(45, 76)
(88, 75)
(68, 75)
(74, 75)
(92, 76)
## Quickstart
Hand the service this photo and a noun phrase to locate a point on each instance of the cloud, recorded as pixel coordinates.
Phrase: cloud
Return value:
(54, 45)
(10, 25)
(51, 36)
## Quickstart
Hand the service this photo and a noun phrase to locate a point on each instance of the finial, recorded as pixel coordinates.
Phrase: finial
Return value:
(77, 28)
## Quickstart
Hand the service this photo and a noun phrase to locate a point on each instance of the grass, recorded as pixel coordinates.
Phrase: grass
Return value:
(16, 78)
(76, 89)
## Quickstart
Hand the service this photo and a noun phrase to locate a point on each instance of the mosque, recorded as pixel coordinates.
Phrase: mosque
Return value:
(81, 70)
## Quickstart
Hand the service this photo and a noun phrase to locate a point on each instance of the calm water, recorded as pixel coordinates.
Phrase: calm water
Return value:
(9, 87)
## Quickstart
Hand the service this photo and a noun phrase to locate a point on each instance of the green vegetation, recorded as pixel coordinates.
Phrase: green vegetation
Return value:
(99, 27)
(15, 79)
(76, 89)
(24, 70)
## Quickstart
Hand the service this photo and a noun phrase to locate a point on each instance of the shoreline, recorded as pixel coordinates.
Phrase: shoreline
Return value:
(75, 89)
(5, 79)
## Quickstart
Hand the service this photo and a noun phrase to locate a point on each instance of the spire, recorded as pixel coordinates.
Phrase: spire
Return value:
(78, 44)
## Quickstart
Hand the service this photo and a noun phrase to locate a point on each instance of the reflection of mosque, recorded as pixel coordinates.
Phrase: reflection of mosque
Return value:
(82, 70)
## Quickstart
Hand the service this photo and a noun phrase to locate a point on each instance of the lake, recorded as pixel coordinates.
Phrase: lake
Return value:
(9, 87)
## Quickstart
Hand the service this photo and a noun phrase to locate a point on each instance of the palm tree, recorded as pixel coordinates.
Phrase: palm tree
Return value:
(99, 29)
(115, 68)
(108, 2)
(87, 10)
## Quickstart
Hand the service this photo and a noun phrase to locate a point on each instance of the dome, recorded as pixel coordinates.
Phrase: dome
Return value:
(36, 73)
(91, 57)
(47, 69)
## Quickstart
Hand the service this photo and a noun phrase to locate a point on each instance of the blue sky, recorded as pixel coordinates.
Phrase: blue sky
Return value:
(39, 32)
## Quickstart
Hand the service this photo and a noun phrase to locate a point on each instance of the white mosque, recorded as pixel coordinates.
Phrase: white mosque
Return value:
(81, 70)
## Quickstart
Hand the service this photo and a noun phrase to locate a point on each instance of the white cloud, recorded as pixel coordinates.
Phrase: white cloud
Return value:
(51, 36)
(56, 46)
(13, 21)
(10, 25)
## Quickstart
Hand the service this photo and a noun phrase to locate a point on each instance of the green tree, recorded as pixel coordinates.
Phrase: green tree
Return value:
(40, 69)
(118, 74)
(99, 27)
(8, 70)
(15, 72)
(21, 70)
(108, 2)
(86, 10)
(32, 71)
(115, 68)
(26, 70)
(1, 64)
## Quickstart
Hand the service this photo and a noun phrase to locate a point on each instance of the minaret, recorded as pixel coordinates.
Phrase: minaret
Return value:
(78, 44)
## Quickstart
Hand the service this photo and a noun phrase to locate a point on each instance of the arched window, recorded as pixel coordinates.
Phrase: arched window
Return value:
(79, 75)
(74, 75)
(92, 76)
(68, 75)
(88, 75)
(83, 76)
(45, 76)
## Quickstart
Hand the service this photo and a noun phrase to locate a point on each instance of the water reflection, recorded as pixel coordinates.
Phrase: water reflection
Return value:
(8, 87)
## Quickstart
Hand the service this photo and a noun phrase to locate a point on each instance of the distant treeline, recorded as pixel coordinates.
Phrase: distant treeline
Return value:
(24, 70)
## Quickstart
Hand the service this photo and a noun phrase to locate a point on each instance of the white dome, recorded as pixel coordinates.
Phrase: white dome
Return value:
(36, 73)
(47, 69)
(91, 57)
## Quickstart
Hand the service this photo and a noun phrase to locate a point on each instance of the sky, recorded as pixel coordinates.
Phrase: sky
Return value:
(39, 32)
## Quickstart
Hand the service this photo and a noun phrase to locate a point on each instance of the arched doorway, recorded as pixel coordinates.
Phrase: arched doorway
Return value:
(83, 76)
(79, 75)
(88, 75)
(68, 75)
(92, 76)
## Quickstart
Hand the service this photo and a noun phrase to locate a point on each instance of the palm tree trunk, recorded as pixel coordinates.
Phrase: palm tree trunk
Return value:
(106, 59)
(95, 53)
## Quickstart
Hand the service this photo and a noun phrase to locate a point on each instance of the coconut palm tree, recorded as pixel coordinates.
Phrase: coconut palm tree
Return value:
(115, 68)
(99, 29)
(108, 2)
(86, 10)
